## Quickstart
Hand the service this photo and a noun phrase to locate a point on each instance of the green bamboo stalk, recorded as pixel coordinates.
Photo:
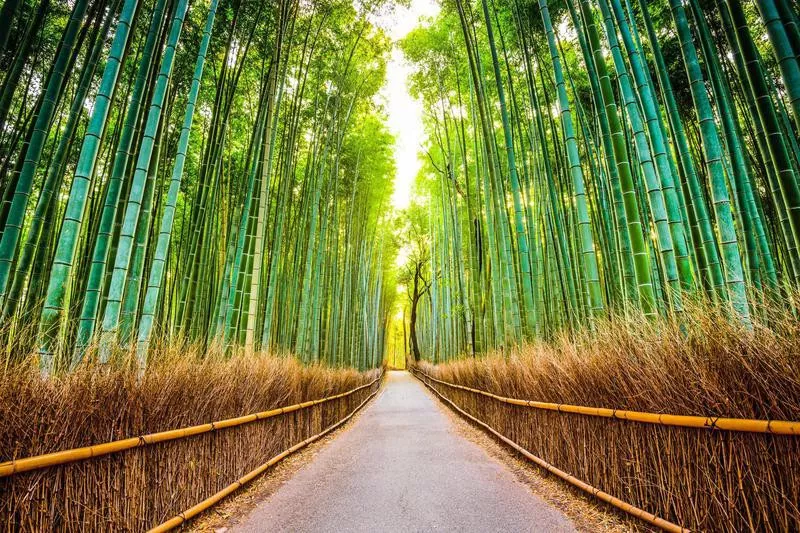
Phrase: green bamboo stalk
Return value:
(712, 153)
(57, 299)
(588, 257)
(111, 315)
(641, 259)
(12, 229)
(101, 249)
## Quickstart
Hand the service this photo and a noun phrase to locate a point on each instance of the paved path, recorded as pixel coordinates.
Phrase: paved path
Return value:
(402, 467)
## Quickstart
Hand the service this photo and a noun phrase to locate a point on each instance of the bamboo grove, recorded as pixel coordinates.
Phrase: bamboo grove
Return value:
(595, 158)
(208, 172)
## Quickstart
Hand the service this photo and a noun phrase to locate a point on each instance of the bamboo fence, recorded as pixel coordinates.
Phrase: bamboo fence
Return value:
(130, 484)
(672, 471)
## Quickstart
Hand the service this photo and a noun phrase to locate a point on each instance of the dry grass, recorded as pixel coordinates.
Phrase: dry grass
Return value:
(139, 488)
(702, 365)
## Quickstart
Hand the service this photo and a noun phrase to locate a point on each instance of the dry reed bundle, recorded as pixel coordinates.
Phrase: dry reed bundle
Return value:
(705, 366)
(139, 488)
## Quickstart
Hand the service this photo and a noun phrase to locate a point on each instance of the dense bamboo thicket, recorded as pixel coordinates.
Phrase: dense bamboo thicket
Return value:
(139, 488)
(186, 188)
(608, 208)
(596, 157)
(609, 202)
(207, 172)
(702, 479)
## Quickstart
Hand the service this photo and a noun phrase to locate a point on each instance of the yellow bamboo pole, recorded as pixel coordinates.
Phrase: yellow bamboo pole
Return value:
(775, 427)
(16, 466)
(213, 500)
(650, 518)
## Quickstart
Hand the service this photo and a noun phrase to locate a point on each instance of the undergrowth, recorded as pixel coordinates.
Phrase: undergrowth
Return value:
(137, 489)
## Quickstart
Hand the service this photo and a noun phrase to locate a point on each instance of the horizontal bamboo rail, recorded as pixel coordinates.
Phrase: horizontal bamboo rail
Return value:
(16, 466)
(216, 498)
(774, 427)
(661, 523)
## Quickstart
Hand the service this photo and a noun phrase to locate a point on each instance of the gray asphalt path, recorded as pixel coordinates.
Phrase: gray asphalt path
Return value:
(403, 467)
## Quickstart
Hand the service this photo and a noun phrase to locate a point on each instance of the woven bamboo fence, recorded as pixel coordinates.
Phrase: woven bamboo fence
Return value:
(699, 473)
(143, 482)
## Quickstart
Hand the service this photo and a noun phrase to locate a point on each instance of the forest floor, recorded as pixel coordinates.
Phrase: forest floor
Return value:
(408, 464)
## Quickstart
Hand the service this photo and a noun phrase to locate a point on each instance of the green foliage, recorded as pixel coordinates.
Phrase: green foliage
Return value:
(198, 251)
(582, 157)
(636, 187)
